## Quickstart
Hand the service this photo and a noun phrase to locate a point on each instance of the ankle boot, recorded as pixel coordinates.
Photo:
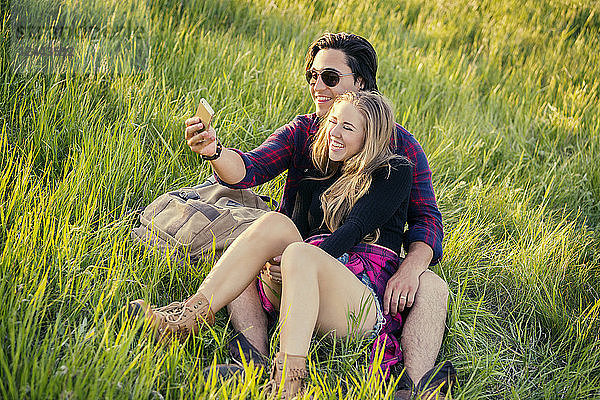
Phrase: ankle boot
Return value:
(178, 319)
(288, 371)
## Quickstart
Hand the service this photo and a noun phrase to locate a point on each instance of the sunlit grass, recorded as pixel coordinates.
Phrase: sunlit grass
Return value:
(503, 96)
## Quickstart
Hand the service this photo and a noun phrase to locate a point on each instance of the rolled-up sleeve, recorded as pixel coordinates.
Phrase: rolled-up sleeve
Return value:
(271, 158)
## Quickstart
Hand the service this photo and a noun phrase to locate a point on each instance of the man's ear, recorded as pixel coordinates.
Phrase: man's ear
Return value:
(360, 82)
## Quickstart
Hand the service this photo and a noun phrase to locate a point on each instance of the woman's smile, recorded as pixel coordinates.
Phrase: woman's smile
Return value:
(345, 131)
(334, 145)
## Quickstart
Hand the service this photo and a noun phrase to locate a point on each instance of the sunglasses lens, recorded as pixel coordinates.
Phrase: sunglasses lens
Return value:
(330, 78)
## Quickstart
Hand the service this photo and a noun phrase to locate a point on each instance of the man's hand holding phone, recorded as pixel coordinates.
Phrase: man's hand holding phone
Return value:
(201, 140)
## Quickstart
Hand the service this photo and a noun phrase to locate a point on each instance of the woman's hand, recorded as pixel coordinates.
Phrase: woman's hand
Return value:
(201, 142)
(401, 289)
(273, 268)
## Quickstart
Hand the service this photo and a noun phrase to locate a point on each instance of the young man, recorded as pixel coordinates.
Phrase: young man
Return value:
(335, 64)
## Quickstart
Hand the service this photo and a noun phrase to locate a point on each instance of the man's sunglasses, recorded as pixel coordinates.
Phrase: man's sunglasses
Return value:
(329, 77)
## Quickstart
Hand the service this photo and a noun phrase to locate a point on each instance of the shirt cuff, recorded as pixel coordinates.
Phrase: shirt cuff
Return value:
(427, 237)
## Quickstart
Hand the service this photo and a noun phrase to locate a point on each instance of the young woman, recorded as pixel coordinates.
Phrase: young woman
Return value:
(338, 249)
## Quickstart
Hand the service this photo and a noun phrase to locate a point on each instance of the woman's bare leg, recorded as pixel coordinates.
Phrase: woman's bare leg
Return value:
(266, 238)
(319, 291)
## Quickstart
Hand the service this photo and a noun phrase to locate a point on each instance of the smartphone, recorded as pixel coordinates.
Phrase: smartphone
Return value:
(205, 113)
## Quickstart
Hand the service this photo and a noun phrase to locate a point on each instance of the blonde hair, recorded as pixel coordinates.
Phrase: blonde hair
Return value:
(357, 171)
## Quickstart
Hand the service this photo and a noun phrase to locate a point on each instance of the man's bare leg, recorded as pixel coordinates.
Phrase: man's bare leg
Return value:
(424, 327)
(247, 317)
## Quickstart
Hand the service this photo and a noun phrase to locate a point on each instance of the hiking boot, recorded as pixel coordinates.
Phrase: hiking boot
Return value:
(287, 375)
(176, 320)
(434, 385)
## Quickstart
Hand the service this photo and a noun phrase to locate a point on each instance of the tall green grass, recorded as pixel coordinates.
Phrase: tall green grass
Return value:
(503, 96)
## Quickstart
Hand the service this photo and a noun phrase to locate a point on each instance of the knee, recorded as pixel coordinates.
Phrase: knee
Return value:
(274, 224)
(274, 219)
(432, 286)
(296, 259)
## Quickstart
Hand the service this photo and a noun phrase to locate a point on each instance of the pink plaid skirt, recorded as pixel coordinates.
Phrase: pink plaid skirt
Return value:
(373, 265)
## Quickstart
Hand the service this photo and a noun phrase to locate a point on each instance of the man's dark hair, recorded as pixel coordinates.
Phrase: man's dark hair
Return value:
(360, 55)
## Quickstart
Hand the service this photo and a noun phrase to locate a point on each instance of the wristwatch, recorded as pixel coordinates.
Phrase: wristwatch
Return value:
(216, 155)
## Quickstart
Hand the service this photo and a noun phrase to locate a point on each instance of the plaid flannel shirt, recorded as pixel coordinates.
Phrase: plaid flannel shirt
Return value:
(288, 148)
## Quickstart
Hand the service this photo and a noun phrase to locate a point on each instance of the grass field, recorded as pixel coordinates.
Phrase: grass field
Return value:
(503, 96)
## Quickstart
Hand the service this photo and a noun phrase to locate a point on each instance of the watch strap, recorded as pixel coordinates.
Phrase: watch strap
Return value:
(216, 155)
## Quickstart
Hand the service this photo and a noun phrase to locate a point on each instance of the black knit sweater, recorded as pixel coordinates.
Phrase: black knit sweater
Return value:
(384, 206)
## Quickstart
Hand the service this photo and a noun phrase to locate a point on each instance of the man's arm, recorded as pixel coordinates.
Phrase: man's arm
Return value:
(424, 218)
(229, 166)
(423, 240)
(240, 170)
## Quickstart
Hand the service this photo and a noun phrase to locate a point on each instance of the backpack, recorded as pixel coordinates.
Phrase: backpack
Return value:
(198, 221)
